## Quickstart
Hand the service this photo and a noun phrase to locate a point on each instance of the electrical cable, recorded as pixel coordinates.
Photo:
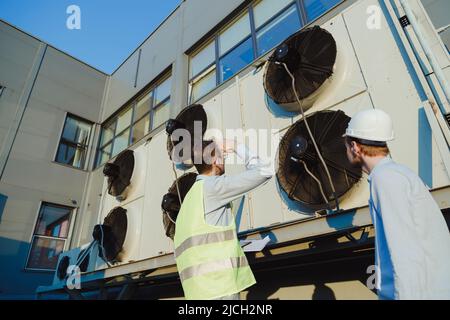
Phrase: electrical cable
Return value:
(317, 180)
(86, 252)
(311, 135)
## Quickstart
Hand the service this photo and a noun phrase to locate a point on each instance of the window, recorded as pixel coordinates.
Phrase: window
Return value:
(50, 236)
(146, 112)
(271, 32)
(438, 11)
(235, 48)
(315, 8)
(73, 145)
(255, 32)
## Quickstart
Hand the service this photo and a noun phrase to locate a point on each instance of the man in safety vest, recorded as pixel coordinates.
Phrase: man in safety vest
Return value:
(412, 240)
(210, 262)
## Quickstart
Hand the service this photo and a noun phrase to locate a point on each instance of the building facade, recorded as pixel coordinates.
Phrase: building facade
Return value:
(62, 120)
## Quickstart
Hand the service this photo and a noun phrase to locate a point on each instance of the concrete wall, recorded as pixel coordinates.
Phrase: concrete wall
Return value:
(44, 83)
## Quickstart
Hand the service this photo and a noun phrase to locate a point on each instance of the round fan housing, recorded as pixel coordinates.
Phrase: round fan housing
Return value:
(296, 151)
(186, 120)
(310, 55)
(171, 203)
(119, 172)
(112, 233)
(61, 270)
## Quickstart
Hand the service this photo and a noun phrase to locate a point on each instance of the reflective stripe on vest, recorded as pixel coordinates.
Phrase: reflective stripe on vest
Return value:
(213, 266)
(203, 239)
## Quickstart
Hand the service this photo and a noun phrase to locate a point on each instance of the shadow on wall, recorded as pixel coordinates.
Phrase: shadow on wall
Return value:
(15, 282)
(277, 110)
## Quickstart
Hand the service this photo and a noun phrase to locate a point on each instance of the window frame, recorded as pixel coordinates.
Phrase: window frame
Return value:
(75, 145)
(150, 89)
(249, 8)
(67, 240)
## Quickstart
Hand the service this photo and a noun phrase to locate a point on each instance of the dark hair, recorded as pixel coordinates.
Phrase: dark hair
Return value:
(198, 153)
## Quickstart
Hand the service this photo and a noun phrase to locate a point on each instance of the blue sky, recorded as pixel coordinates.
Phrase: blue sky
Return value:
(110, 29)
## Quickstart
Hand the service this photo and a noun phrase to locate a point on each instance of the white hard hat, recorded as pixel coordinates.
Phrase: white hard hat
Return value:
(371, 125)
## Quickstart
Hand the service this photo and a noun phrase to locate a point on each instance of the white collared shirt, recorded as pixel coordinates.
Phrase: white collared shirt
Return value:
(412, 241)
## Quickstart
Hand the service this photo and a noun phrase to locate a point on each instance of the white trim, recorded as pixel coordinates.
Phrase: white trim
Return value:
(61, 131)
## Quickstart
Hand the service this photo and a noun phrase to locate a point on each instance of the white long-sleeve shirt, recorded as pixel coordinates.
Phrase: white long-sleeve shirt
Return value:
(412, 239)
(220, 191)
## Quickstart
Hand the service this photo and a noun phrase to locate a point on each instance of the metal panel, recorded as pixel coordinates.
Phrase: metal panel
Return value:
(154, 242)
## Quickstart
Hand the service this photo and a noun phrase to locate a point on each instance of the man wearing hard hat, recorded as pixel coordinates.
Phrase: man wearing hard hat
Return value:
(412, 240)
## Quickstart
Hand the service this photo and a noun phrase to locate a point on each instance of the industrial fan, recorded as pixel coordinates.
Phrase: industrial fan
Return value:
(79, 257)
(111, 234)
(171, 203)
(301, 173)
(186, 120)
(63, 265)
(310, 56)
(119, 173)
(85, 257)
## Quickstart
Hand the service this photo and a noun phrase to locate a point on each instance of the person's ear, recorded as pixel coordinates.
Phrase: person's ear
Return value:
(355, 148)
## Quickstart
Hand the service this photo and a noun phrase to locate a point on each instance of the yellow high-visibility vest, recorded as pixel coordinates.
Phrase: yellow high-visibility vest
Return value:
(210, 261)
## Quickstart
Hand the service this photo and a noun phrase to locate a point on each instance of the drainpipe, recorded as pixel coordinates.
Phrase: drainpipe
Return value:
(428, 52)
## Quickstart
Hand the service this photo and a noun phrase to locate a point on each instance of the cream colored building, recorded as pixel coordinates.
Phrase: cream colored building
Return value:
(61, 120)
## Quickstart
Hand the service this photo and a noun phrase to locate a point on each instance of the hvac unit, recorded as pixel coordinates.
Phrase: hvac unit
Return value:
(316, 177)
(193, 119)
(171, 201)
(82, 257)
(323, 64)
(118, 236)
(126, 175)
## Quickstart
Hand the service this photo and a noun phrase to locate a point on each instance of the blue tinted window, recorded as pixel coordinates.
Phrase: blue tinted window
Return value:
(278, 30)
(71, 155)
(235, 60)
(315, 8)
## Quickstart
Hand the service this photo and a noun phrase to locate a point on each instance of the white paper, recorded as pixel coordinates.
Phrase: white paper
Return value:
(254, 245)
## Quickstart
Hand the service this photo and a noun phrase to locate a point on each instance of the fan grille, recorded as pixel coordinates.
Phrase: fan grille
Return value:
(310, 57)
(115, 230)
(327, 128)
(62, 267)
(188, 117)
(125, 165)
(185, 183)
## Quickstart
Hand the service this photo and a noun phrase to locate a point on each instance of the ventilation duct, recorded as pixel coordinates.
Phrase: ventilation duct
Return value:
(171, 203)
(300, 172)
(186, 120)
(310, 55)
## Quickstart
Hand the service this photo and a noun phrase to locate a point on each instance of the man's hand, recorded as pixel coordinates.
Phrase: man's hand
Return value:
(226, 146)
